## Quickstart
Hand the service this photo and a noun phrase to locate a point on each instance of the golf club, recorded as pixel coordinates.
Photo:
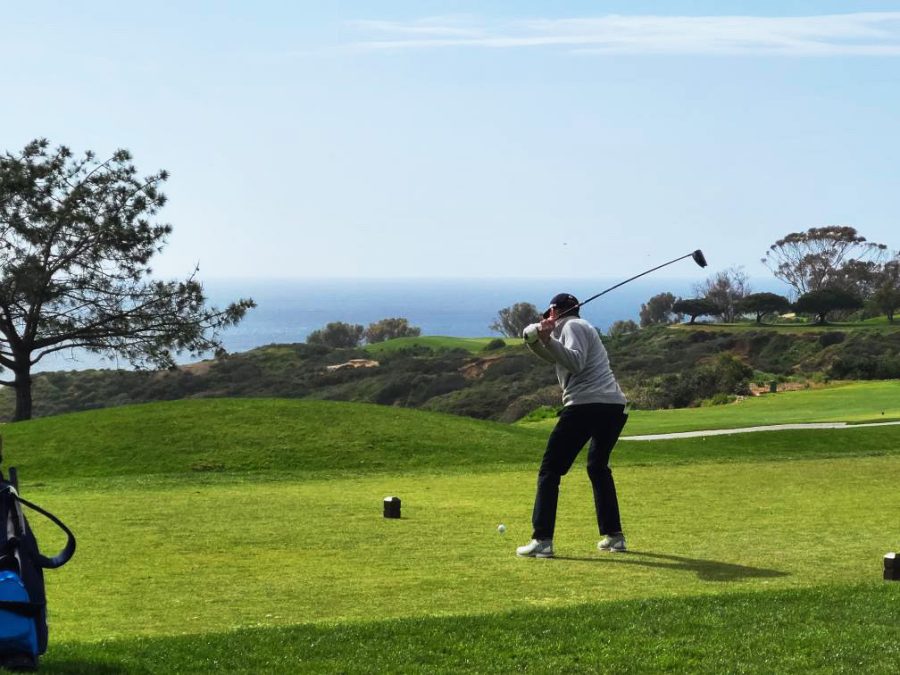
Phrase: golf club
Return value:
(697, 255)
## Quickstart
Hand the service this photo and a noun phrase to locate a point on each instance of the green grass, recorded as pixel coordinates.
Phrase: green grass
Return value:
(843, 628)
(877, 324)
(198, 440)
(434, 342)
(258, 435)
(246, 536)
(232, 554)
(855, 402)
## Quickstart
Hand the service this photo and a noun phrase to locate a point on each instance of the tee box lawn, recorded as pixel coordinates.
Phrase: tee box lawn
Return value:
(247, 536)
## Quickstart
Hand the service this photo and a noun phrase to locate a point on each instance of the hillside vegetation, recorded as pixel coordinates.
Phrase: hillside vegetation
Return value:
(659, 367)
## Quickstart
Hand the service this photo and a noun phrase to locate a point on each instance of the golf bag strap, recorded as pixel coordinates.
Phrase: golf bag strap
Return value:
(30, 609)
(68, 551)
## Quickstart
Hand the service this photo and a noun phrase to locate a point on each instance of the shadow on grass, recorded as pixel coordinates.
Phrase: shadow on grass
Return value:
(706, 570)
(83, 667)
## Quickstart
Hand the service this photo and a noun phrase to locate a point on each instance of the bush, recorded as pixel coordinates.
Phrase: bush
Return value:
(833, 338)
(337, 335)
(542, 404)
(864, 367)
(544, 412)
(623, 327)
(725, 376)
(718, 399)
(512, 366)
(494, 345)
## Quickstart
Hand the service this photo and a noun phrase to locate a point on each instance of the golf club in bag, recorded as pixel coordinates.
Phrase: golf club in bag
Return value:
(23, 601)
(697, 256)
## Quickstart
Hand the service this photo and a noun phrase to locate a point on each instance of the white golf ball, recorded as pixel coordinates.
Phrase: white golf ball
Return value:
(501, 528)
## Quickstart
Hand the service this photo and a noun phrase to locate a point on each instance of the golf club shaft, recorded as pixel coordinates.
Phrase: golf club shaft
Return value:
(622, 283)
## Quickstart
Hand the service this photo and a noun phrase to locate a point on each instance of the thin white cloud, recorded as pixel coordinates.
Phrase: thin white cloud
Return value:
(864, 33)
(458, 27)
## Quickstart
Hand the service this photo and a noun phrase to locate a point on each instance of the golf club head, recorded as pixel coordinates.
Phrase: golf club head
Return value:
(699, 258)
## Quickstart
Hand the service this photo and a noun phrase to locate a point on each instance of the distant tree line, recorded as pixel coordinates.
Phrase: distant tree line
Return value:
(340, 335)
(832, 271)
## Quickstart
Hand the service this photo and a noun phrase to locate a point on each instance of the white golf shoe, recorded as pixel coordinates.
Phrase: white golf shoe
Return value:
(612, 542)
(536, 548)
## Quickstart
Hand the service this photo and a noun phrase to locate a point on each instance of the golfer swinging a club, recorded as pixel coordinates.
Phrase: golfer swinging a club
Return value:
(593, 408)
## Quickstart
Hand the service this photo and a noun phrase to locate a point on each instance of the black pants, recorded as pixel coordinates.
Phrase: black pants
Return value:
(600, 422)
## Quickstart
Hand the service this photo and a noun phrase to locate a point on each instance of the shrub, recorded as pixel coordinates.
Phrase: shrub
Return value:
(726, 375)
(833, 338)
(864, 367)
(544, 412)
(718, 399)
(494, 345)
(336, 335)
(623, 327)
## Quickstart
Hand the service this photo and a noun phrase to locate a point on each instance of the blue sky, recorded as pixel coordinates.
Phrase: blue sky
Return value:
(464, 139)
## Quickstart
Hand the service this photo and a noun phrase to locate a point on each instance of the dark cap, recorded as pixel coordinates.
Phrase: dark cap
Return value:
(562, 302)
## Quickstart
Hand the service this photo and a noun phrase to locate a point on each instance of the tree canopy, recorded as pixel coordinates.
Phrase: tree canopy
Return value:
(622, 327)
(724, 289)
(511, 321)
(886, 297)
(762, 304)
(658, 310)
(812, 260)
(76, 240)
(820, 303)
(388, 329)
(694, 307)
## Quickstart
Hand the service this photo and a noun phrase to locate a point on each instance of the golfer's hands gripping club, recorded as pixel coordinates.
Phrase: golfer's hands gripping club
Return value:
(547, 326)
(539, 331)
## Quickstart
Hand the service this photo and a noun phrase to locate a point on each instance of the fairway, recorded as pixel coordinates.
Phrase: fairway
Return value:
(853, 402)
(434, 342)
(256, 570)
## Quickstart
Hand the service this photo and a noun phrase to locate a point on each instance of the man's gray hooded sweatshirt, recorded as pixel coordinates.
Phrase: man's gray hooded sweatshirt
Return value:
(582, 365)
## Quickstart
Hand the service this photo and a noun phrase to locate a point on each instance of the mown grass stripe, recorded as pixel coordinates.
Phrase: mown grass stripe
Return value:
(219, 557)
(844, 628)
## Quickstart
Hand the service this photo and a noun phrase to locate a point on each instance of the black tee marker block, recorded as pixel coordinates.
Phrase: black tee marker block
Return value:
(891, 567)
(392, 507)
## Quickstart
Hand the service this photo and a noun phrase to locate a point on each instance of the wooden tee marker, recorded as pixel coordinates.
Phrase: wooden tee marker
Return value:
(392, 507)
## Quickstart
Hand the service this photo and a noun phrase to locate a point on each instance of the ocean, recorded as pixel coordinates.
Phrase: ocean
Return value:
(289, 310)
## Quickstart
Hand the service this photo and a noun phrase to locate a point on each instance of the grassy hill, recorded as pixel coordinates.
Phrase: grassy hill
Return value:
(198, 439)
(246, 535)
(274, 436)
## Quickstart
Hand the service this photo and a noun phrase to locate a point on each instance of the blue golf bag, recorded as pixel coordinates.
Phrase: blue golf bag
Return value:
(23, 602)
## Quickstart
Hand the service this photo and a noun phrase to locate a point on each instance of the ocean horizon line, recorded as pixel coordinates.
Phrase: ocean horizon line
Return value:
(288, 311)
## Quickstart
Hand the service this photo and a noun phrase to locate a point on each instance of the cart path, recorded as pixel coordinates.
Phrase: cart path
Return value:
(747, 430)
